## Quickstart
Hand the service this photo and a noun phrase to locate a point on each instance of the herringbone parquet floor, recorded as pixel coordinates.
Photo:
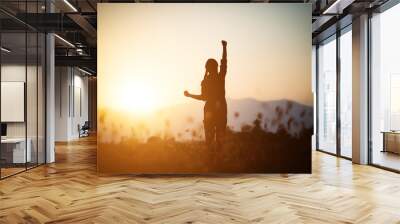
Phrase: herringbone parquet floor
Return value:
(70, 191)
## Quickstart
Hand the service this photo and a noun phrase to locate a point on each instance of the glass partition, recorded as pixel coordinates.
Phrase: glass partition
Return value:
(22, 91)
(14, 153)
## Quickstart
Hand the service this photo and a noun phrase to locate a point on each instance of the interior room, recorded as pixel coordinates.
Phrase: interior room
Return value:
(385, 90)
(150, 111)
(22, 104)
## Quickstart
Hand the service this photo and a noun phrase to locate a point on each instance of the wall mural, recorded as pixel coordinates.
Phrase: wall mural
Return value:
(204, 88)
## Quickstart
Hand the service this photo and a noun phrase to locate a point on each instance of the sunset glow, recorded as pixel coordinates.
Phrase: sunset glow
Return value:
(164, 108)
(136, 97)
(156, 65)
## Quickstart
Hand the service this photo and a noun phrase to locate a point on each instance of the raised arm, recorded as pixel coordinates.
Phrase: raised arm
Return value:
(194, 96)
(223, 66)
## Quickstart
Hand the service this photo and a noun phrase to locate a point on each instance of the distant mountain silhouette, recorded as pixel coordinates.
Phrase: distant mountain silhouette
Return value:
(185, 120)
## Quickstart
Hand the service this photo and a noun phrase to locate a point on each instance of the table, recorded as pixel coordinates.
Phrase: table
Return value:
(13, 150)
(391, 141)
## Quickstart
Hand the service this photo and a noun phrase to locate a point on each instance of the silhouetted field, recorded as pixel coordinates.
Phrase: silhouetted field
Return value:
(250, 150)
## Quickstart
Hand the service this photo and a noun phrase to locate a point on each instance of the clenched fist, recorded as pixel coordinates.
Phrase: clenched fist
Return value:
(224, 42)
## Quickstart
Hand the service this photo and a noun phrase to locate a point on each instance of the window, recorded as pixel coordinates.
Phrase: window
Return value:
(327, 96)
(385, 89)
(346, 92)
(334, 106)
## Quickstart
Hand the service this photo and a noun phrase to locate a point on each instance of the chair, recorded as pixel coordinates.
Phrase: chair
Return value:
(84, 130)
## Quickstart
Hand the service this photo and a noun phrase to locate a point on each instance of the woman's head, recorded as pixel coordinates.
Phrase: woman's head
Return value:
(212, 66)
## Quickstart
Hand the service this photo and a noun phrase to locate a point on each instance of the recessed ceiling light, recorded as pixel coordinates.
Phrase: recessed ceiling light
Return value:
(337, 7)
(65, 41)
(5, 50)
(70, 5)
(84, 71)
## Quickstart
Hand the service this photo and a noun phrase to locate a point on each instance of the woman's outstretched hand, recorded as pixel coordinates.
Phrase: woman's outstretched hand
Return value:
(186, 93)
(224, 42)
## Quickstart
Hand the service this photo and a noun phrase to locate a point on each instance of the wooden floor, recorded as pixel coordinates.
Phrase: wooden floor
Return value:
(387, 159)
(5, 172)
(70, 191)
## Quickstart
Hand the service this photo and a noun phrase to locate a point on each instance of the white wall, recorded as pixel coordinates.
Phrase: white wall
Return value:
(62, 81)
(71, 102)
(12, 73)
(80, 110)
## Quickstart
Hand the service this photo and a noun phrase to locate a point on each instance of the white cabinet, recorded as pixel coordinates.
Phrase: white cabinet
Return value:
(17, 146)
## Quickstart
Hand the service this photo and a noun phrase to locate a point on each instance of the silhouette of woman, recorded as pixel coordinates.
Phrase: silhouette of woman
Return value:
(213, 93)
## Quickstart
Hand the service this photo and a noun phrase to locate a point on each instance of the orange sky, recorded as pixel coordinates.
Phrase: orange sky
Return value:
(148, 54)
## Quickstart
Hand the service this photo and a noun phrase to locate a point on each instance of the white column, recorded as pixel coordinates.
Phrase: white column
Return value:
(50, 92)
(360, 90)
(50, 100)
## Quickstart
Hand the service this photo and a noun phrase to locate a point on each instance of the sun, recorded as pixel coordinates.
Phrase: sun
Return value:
(137, 98)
